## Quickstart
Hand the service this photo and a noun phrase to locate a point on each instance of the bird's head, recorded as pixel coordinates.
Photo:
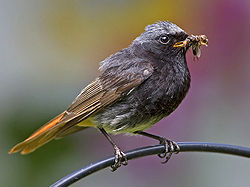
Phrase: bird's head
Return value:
(167, 40)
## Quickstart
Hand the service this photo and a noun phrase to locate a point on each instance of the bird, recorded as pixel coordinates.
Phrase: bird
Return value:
(137, 87)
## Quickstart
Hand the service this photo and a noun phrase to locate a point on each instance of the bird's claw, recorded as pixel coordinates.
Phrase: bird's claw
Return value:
(120, 159)
(170, 148)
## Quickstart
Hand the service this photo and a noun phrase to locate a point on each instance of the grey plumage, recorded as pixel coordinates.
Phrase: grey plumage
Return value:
(161, 90)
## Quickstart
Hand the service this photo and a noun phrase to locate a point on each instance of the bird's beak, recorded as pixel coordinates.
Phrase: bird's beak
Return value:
(194, 41)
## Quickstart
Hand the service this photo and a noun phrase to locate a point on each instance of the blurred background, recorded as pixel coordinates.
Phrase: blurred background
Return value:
(50, 50)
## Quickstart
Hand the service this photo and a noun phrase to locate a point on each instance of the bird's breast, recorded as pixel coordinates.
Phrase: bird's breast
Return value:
(146, 104)
(164, 90)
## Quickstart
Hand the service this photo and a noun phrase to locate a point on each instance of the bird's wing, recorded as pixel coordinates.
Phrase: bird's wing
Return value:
(111, 86)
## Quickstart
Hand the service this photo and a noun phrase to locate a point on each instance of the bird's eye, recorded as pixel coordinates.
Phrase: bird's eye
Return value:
(164, 39)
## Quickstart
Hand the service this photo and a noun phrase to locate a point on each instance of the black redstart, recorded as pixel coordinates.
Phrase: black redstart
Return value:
(137, 87)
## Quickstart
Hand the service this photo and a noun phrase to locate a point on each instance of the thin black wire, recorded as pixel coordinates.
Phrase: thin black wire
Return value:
(152, 150)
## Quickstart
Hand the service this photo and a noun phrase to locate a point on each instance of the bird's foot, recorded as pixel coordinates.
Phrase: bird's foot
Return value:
(120, 159)
(170, 148)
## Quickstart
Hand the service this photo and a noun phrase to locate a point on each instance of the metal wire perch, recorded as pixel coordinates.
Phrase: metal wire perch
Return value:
(152, 150)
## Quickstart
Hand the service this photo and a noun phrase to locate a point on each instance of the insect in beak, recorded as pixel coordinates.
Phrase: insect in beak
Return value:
(194, 41)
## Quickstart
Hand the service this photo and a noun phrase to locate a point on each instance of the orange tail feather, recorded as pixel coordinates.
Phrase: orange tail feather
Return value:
(40, 137)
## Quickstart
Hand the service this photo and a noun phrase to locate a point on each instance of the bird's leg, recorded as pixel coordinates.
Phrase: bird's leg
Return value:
(120, 157)
(170, 146)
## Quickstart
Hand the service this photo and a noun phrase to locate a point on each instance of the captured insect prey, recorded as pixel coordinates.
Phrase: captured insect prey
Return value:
(195, 42)
(136, 87)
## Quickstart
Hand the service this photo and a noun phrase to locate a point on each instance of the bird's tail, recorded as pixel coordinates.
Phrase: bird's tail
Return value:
(43, 135)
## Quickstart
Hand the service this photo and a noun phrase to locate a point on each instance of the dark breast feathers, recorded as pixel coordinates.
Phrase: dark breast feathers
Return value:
(157, 90)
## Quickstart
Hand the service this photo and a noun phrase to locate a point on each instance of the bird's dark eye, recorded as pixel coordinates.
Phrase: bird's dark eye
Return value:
(164, 39)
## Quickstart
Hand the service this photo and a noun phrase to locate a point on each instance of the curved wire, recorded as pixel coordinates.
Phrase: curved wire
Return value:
(152, 150)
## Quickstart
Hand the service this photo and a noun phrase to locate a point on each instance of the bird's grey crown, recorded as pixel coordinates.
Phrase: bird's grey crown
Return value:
(164, 26)
(157, 29)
